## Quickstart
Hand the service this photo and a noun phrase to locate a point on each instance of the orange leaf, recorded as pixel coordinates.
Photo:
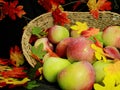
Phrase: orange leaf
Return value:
(60, 17)
(16, 56)
(15, 73)
(106, 6)
(96, 5)
(12, 10)
(90, 32)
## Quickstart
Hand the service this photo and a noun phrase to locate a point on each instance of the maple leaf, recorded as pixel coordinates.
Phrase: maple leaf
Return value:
(12, 82)
(99, 53)
(106, 6)
(16, 72)
(111, 80)
(12, 10)
(16, 56)
(38, 52)
(79, 27)
(60, 17)
(4, 61)
(96, 5)
(90, 32)
(50, 5)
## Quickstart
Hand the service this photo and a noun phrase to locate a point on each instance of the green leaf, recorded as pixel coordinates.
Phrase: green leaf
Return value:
(39, 52)
(32, 84)
(38, 32)
(32, 71)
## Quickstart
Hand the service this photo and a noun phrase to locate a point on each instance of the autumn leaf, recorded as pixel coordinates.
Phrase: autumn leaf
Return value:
(12, 9)
(12, 82)
(60, 17)
(16, 72)
(111, 80)
(50, 5)
(4, 61)
(96, 5)
(16, 56)
(79, 27)
(99, 53)
(106, 6)
(90, 32)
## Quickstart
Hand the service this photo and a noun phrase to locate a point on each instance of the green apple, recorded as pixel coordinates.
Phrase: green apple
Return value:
(52, 66)
(99, 69)
(57, 33)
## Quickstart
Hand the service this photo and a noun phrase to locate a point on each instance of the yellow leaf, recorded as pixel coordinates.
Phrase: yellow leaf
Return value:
(99, 53)
(79, 27)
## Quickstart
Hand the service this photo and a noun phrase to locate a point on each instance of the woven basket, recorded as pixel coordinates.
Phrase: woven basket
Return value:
(45, 21)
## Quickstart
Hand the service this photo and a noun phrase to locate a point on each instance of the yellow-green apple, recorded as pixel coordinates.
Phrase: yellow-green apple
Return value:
(99, 69)
(80, 49)
(52, 66)
(57, 33)
(111, 36)
(77, 76)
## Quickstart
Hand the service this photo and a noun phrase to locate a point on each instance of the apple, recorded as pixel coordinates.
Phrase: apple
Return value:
(45, 42)
(52, 66)
(99, 69)
(112, 51)
(111, 36)
(61, 47)
(57, 33)
(77, 76)
(80, 49)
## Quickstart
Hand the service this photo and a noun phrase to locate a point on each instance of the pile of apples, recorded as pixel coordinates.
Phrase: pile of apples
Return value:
(73, 65)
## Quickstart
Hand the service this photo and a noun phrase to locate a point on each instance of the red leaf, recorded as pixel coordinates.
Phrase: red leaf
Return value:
(98, 43)
(50, 5)
(60, 17)
(90, 32)
(106, 6)
(15, 73)
(95, 13)
(4, 61)
(12, 10)
(2, 84)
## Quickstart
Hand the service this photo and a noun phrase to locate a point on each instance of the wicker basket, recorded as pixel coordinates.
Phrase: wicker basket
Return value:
(45, 21)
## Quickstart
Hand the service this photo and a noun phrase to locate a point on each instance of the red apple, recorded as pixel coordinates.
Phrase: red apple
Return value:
(113, 52)
(77, 76)
(111, 36)
(61, 47)
(80, 49)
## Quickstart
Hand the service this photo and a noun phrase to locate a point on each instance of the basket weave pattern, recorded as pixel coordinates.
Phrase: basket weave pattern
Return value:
(45, 21)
